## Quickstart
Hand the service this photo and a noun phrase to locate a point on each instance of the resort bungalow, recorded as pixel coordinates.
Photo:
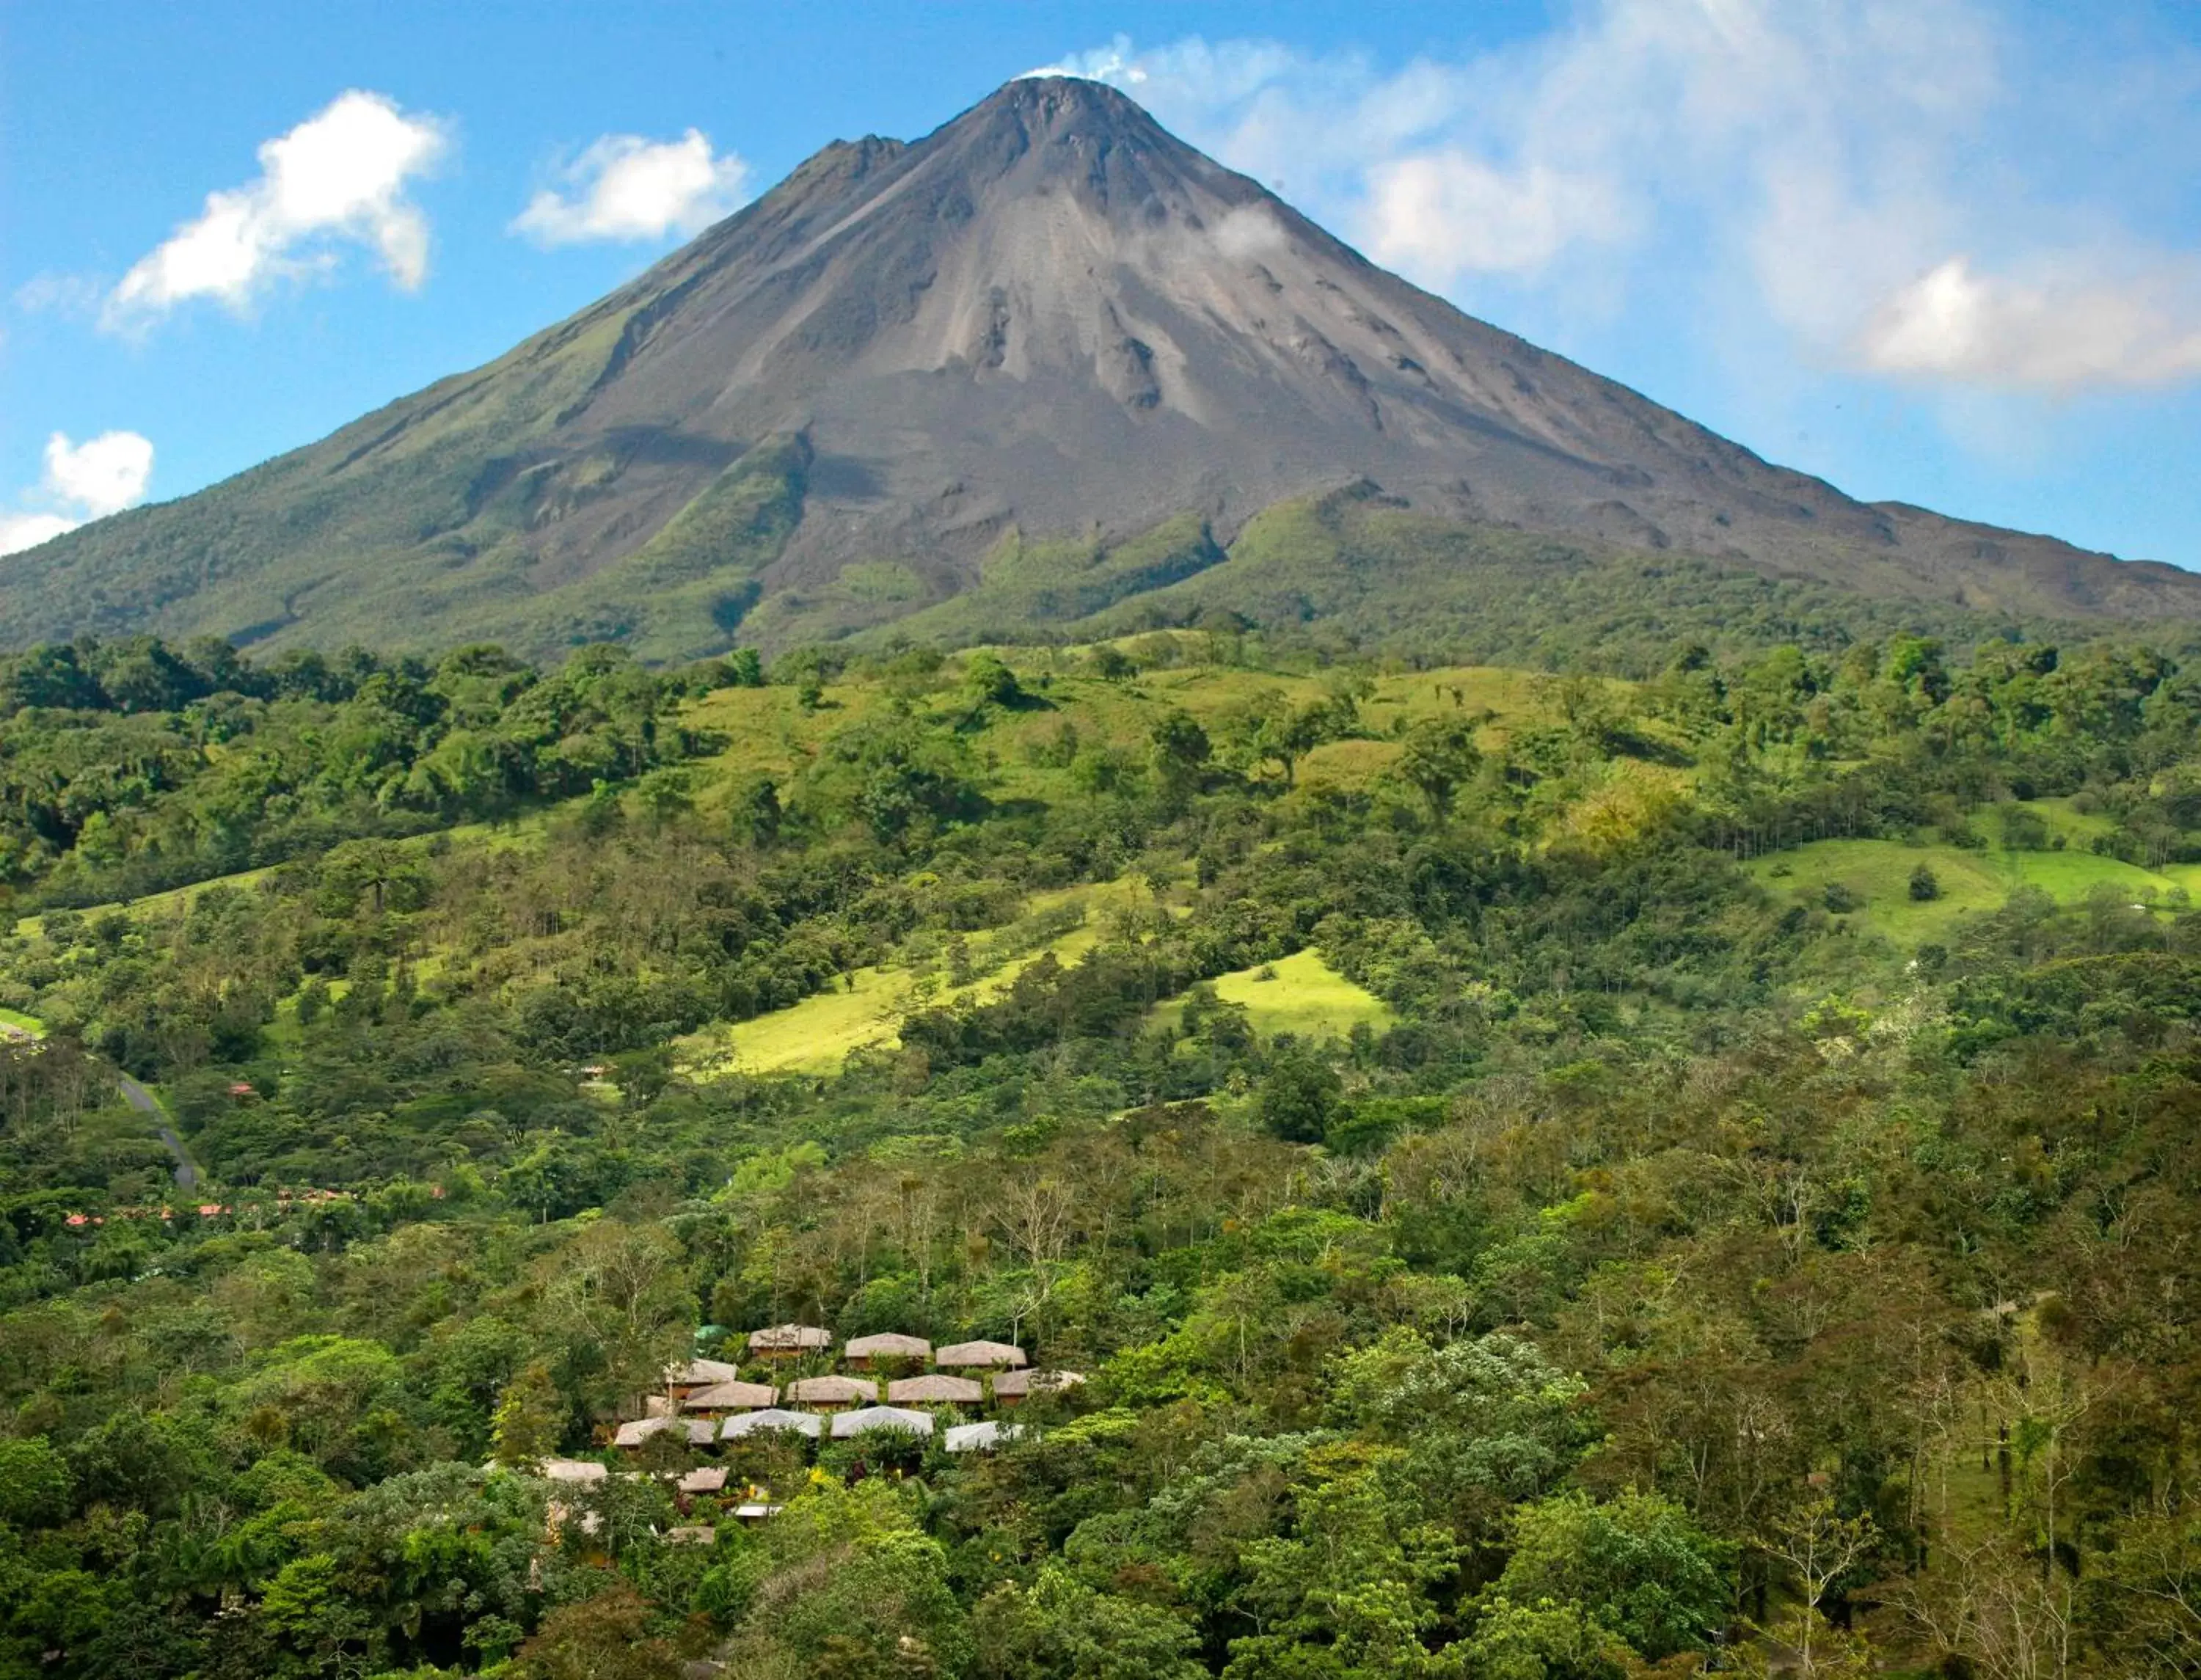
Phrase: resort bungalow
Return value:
(862, 1350)
(572, 1473)
(711, 1479)
(1013, 1386)
(696, 1431)
(830, 1394)
(787, 1342)
(575, 1473)
(979, 1356)
(936, 1391)
(721, 1398)
(979, 1437)
(751, 1423)
(881, 1417)
(682, 1380)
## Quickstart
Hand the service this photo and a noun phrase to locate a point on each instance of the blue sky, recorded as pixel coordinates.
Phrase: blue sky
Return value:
(1944, 251)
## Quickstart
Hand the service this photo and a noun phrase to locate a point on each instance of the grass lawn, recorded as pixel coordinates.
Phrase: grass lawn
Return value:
(1301, 994)
(21, 1022)
(817, 1035)
(1878, 871)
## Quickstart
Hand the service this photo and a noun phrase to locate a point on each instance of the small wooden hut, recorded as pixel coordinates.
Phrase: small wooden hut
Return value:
(979, 1356)
(721, 1398)
(831, 1394)
(936, 1391)
(788, 1342)
(684, 1379)
(1011, 1387)
(862, 1351)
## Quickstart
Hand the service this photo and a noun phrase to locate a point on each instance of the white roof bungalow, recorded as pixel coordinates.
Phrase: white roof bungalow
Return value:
(881, 1418)
(979, 1437)
(696, 1431)
(750, 1423)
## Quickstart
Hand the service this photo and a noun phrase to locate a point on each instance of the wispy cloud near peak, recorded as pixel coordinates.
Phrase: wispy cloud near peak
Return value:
(624, 187)
(1821, 162)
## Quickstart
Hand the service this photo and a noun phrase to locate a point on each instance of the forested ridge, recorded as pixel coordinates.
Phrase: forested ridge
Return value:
(1541, 1174)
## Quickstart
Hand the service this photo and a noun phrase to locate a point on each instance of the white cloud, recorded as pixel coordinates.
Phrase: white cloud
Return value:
(2060, 333)
(624, 187)
(73, 296)
(102, 475)
(340, 177)
(1251, 232)
(1447, 213)
(1810, 163)
(19, 531)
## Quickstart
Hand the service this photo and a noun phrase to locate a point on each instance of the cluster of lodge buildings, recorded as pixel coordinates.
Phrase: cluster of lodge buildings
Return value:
(283, 1201)
(707, 1402)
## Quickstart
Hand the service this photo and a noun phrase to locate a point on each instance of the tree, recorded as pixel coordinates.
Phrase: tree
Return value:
(1639, 1566)
(530, 1416)
(1441, 757)
(1181, 752)
(1924, 885)
(621, 1293)
(1818, 1547)
(1062, 1629)
(990, 682)
(1353, 1577)
(1299, 1097)
(36, 1488)
(606, 1637)
(1271, 730)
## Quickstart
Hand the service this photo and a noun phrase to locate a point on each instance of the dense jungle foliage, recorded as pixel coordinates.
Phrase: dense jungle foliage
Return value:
(1543, 1176)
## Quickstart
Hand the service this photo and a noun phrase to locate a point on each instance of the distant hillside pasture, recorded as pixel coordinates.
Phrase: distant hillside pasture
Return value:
(1875, 876)
(1303, 995)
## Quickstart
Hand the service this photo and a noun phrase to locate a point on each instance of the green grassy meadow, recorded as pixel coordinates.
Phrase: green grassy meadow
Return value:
(1303, 995)
(1972, 882)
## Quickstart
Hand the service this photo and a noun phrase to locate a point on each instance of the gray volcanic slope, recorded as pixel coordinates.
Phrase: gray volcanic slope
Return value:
(1050, 317)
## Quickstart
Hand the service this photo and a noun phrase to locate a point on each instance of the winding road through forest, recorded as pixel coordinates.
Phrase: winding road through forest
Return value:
(136, 1094)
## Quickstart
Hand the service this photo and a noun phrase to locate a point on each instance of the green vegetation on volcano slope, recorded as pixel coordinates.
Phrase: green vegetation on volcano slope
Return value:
(1359, 570)
(1578, 1230)
(413, 534)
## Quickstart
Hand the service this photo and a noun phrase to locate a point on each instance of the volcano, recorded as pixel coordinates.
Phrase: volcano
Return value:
(1049, 357)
